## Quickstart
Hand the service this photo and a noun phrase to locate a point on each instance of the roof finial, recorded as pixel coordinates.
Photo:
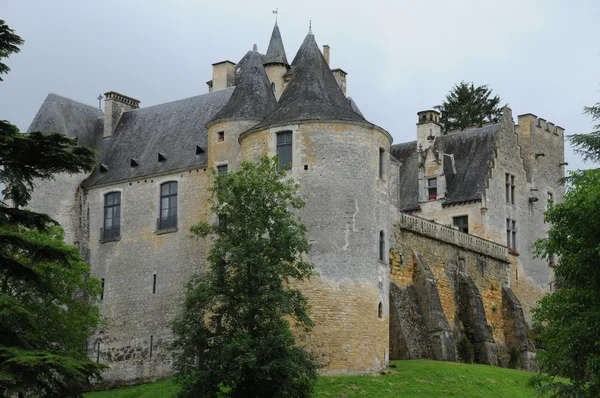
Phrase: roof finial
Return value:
(100, 101)
(277, 13)
(310, 26)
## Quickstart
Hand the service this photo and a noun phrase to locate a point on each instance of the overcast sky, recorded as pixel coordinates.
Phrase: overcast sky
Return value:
(541, 57)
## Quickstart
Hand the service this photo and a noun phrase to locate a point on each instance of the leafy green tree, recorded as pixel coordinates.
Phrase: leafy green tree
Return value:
(467, 105)
(233, 336)
(46, 298)
(568, 320)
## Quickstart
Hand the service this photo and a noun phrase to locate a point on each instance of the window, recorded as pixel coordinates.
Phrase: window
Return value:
(153, 283)
(550, 199)
(220, 136)
(381, 162)
(168, 206)
(222, 170)
(284, 149)
(380, 310)
(432, 188)
(511, 234)
(101, 289)
(381, 246)
(462, 223)
(112, 216)
(273, 86)
(510, 189)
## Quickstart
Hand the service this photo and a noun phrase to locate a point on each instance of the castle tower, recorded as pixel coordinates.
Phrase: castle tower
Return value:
(428, 128)
(341, 162)
(275, 62)
(251, 101)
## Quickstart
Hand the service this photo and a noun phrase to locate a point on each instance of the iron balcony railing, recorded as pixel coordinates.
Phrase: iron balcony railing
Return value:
(110, 233)
(168, 222)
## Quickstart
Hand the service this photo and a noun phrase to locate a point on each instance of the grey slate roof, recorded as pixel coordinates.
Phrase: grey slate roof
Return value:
(473, 152)
(253, 97)
(69, 117)
(275, 51)
(173, 129)
(312, 93)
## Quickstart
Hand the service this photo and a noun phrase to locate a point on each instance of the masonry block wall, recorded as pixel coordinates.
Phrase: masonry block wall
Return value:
(347, 207)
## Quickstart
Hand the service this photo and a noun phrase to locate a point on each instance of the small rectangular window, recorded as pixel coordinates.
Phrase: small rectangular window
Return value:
(462, 223)
(432, 188)
(550, 199)
(220, 136)
(284, 149)
(511, 234)
(510, 188)
(101, 289)
(222, 170)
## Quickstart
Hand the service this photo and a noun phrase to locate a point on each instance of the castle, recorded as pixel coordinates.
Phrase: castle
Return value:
(417, 245)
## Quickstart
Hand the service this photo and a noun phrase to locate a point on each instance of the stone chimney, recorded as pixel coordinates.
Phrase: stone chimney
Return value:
(428, 128)
(326, 53)
(340, 77)
(114, 106)
(223, 76)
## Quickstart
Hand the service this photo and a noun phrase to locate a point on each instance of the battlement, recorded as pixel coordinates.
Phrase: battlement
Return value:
(540, 123)
(451, 235)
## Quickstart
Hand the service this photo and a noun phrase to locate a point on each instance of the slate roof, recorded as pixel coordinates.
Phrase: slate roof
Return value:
(473, 152)
(312, 93)
(173, 129)
(275, 51)
(253, 97)
(69, 117)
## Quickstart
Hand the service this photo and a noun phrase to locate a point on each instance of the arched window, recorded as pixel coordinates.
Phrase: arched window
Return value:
(168, 206)
(112, 216)
(381, 246)
(380, 310)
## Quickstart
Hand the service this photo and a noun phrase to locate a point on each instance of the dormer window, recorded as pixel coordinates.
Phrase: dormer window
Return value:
(432, 188)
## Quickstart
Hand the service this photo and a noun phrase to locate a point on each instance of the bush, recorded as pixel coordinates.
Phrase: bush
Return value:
(465, 350)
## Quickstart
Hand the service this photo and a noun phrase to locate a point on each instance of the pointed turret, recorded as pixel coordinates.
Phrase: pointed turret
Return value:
(275, 52)
(253, 97)
(313, 93)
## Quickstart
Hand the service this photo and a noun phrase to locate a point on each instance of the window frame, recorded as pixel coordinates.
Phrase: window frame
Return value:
(112, 231)
(282, 164)
(169, 220)
(461, 226)
(509, 188)
(432, 187)
(511, 234)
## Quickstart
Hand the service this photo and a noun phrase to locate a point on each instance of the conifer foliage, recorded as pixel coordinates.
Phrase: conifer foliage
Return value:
(233, 336)
(467, 105)
(568, 320)
(46, 298)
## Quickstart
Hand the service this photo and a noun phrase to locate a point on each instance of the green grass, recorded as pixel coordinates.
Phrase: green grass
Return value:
(408, 379)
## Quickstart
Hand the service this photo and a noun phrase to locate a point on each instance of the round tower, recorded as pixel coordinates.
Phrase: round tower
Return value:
(275, 62)
(341, 162)
(251, 100)
(428, 128)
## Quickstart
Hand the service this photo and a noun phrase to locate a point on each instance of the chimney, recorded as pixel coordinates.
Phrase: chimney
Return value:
(326, 53)
(340, 78)
(223, 75)
(114, 106)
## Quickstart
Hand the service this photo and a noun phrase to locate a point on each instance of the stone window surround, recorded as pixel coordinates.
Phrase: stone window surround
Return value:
(381, 165)
(101, 194)
(509, 188)
(157, 194)
(272, 148)
(382, 259)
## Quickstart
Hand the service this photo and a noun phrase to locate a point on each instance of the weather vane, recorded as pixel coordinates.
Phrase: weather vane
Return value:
(100, 100)
(277, 13)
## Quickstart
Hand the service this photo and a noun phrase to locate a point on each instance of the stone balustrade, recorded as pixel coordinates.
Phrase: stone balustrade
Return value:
(450, 235)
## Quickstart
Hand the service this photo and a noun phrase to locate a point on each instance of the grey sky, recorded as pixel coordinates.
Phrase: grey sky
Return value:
(541, 57)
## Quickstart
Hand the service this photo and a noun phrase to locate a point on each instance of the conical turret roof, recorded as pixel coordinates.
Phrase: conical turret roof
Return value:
(275, 52)
(313, 92)
(253, 97)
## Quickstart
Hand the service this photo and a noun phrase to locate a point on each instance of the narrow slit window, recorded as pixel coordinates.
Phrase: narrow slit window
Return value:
(284, 149)
(381, 162)
(101, 289)
(380, 310)
(153, 283)
(381, 246)
(151, 344)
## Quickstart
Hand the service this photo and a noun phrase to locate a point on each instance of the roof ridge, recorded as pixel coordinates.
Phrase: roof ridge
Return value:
(73, 100)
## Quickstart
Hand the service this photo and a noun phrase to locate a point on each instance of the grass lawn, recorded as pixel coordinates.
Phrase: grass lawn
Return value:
(408, 379)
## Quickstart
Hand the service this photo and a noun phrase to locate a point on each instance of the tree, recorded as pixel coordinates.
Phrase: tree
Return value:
(233, 335)
(567, 321)
(467, 105)
(46, 297)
